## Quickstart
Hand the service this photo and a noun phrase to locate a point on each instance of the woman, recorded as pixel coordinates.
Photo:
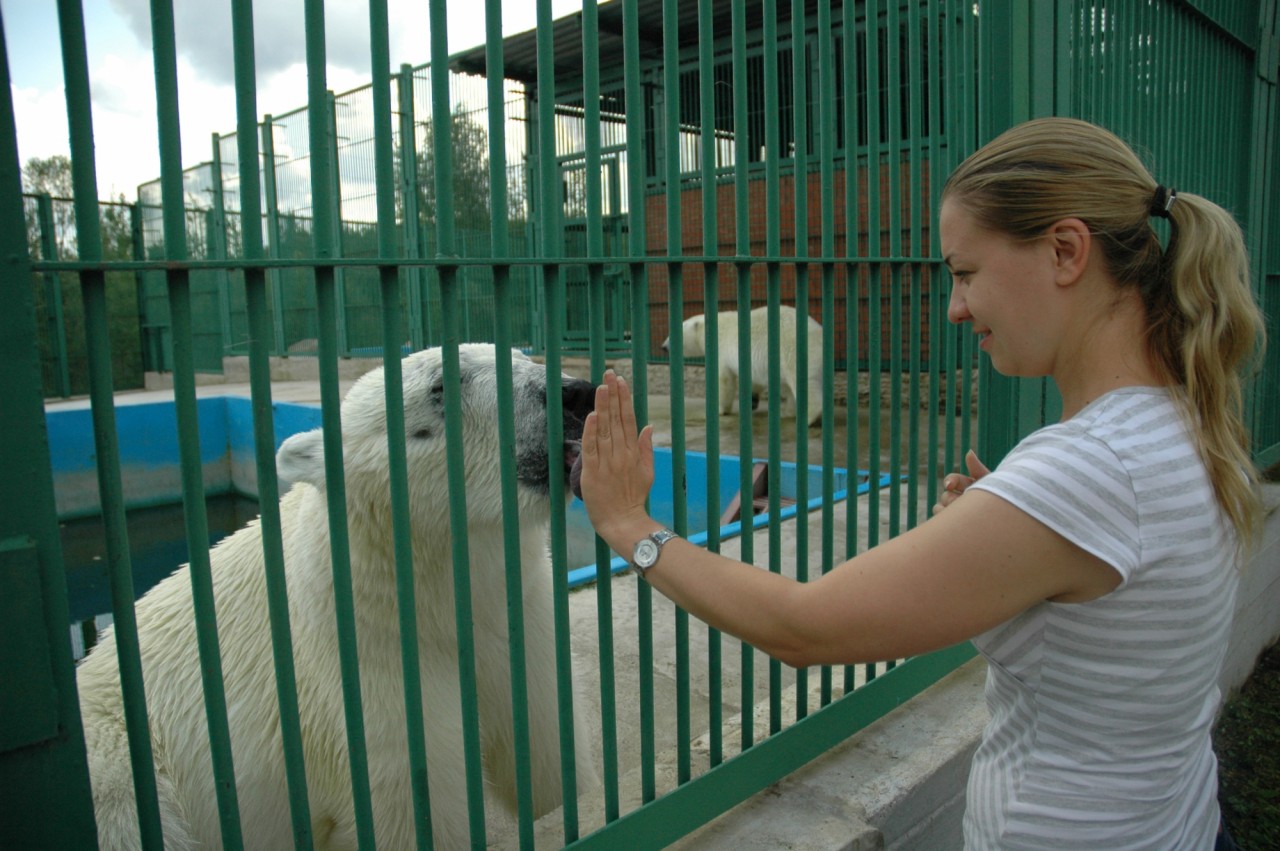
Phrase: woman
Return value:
(1095, 567)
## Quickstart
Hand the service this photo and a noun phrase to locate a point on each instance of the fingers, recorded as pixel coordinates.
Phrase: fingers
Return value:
(628, 409)
(976, 468)
(603, 421)
(955, 484)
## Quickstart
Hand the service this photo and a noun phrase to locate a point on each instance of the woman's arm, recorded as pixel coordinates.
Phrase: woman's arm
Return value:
(966, 570)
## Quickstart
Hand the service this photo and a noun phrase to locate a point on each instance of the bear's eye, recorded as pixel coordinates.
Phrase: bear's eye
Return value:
(422, 434)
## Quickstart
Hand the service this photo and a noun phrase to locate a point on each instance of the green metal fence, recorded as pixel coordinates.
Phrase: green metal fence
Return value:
(894, 93)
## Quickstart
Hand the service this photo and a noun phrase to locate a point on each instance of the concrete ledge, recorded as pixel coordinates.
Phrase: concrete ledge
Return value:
(897, 784)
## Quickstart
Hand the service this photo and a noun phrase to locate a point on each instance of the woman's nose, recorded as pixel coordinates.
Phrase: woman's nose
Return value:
(957, 309)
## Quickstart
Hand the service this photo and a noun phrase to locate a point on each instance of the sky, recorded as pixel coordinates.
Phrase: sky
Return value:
(122, 73)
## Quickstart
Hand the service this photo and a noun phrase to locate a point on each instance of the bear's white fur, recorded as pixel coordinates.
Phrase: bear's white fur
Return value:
(695, 345)
(171, 666)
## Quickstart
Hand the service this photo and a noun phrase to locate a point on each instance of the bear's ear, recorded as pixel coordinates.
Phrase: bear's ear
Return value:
(301, 458)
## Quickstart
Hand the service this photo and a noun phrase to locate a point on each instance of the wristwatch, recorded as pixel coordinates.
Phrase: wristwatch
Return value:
(649, 548)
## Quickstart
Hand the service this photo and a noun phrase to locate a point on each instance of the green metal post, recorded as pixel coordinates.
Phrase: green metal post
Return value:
(419, 317)
(849, 73)
(639, 275)
(450, 310)
(827, 123)
(280, 343)
(184, 397)
(799, 101)
(502, 302)
(596, 296)
(47, 799)
(551, 250)
(742, 268)
(915, 139)
(711, 308)
(53, 293)
(323, 230)
(260, 337)
(217, 245)
(397, 465)
(335, 216)
(893, 135)
(93, 289)
(675, 303)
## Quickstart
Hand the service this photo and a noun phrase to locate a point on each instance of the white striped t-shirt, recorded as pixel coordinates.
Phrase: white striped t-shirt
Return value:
(1101, 711)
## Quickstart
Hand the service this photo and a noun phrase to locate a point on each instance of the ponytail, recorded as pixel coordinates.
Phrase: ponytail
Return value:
(1205, 330)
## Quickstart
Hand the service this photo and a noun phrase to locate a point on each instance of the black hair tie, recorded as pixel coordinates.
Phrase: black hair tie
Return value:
(1162, 201)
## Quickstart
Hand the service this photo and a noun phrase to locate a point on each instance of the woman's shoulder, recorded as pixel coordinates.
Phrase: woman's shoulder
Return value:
(1120, 423)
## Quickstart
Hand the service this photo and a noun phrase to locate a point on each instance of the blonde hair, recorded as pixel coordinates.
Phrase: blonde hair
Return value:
(1203, 325)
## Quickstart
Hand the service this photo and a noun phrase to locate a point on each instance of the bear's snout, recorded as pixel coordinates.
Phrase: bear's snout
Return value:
(579, 399)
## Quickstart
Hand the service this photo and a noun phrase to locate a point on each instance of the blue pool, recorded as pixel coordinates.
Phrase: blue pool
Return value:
(153, 490)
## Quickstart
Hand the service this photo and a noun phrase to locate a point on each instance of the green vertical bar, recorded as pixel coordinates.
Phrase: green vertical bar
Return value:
(184, 393)
(334, 198)
(852, 314)
(217, 242)
(637, 249)
(800, 102)
(875, 249)
(150, 360)
(93, 288)
(940, 60)
(419, 321)
(918, 210)
(875, 284)
(711, 309)
(280, 343)
(827, 130)
(552, 250)
(502, 297)
(742, 267)
(675, 302)
(47, 796)
(397, 466)
(893, 92)
(450, 298)
(323, 229)
(596, 298)
(260, 332)
(773, 290)
(53, 292)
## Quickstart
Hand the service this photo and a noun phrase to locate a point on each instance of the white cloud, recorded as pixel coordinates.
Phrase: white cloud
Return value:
(122, 72)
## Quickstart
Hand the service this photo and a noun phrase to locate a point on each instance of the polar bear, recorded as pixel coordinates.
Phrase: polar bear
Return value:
(171, 666)
(695, 345)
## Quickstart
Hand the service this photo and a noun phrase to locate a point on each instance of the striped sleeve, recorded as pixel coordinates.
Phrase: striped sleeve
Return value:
(1075, 485)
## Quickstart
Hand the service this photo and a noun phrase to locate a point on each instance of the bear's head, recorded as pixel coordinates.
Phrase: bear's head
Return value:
(427, 451)
(694, 337)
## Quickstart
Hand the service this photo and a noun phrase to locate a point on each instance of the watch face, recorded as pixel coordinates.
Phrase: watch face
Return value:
(646, 553)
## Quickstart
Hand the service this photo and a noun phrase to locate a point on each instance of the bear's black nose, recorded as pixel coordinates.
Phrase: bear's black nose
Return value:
(579, 398)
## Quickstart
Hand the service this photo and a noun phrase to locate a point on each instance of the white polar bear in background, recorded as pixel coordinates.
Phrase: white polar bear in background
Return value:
(171, 666)
(695, 345)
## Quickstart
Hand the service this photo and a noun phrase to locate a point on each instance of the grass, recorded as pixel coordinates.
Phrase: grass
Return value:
(1247, 741)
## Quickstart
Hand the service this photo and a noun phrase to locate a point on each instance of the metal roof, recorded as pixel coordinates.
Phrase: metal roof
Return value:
(520, 51)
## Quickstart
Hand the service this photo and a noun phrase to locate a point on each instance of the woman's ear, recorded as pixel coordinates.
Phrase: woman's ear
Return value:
(1071, 243)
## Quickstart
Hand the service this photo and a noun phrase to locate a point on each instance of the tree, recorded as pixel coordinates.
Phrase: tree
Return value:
(470, 173)
(51, 176)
